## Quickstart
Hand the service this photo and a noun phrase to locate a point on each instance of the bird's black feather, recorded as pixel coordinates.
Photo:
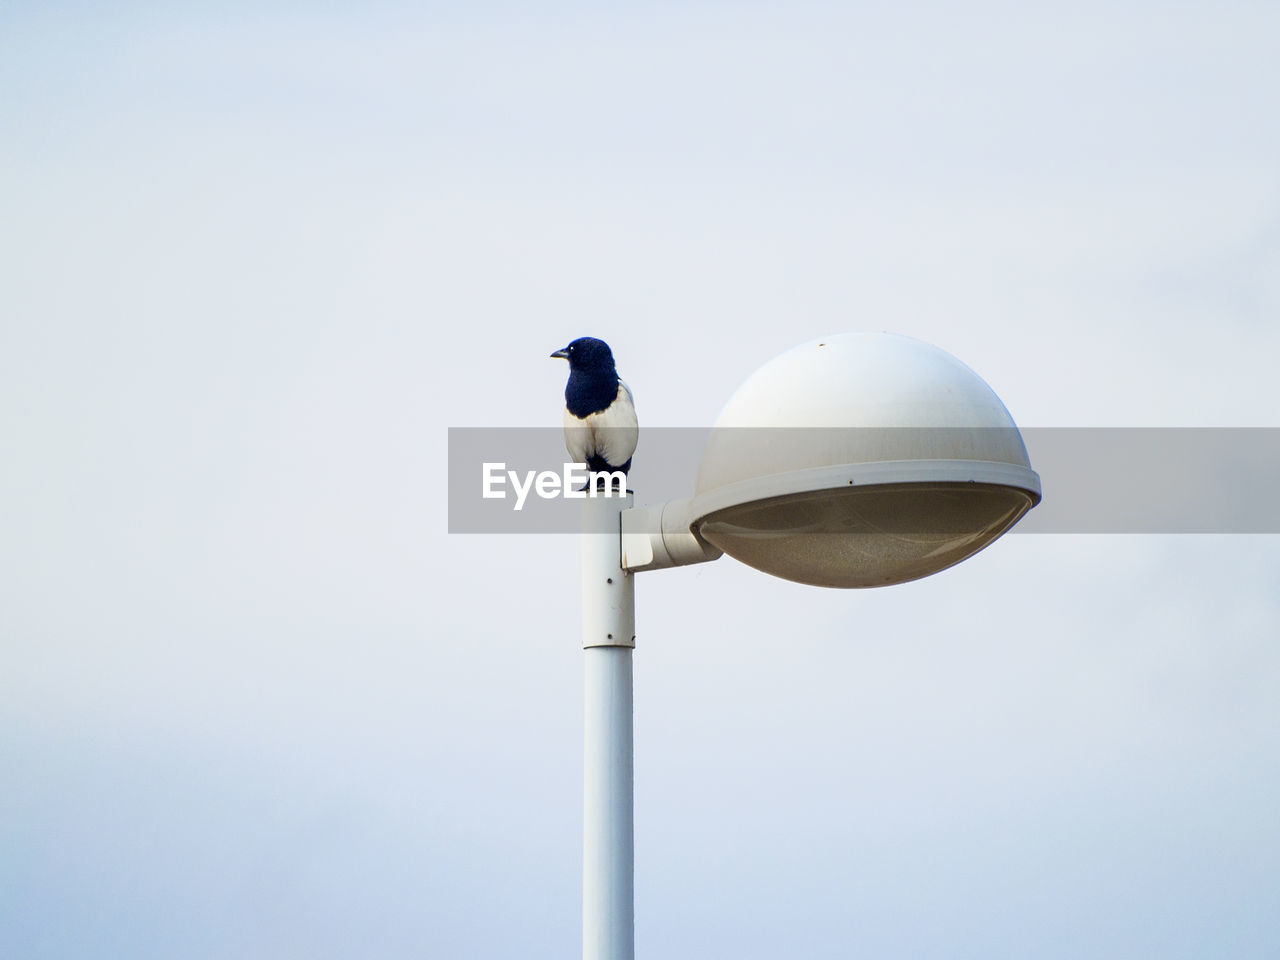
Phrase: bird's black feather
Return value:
(593, 377)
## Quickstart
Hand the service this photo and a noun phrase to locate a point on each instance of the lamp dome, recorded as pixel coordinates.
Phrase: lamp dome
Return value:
(861, 459)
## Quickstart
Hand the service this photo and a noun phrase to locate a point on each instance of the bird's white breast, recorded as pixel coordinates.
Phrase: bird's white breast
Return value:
(612, 433)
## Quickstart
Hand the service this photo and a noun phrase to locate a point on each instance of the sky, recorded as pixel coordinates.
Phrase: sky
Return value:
(256, 701)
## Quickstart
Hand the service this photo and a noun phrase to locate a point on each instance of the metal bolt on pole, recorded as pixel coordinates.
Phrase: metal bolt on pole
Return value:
(608, 637)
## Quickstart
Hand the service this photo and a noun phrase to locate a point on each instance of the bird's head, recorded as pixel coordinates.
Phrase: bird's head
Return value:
(587, 354)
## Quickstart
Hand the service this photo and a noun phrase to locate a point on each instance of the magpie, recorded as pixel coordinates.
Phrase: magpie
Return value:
(600, 427)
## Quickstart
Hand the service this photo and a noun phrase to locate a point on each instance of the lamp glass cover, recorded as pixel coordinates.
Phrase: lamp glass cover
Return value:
(866, 536)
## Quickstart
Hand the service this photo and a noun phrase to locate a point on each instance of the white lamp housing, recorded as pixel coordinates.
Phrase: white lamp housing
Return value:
(857, 460)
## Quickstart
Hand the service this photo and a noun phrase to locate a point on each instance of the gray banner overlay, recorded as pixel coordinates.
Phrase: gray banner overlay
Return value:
(1094, 480)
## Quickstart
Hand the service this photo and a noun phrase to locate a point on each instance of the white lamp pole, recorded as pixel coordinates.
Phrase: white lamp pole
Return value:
(859, 460)
(608, 637)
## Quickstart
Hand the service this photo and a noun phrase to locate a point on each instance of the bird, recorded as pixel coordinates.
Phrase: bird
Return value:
(600, 426)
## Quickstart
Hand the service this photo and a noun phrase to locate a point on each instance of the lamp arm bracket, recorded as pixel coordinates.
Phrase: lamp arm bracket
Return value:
(658, 536)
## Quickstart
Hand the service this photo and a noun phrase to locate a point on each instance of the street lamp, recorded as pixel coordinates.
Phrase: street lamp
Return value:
(857, 460)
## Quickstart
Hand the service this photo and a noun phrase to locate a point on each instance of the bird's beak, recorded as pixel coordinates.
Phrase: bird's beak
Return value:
(561, 354)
